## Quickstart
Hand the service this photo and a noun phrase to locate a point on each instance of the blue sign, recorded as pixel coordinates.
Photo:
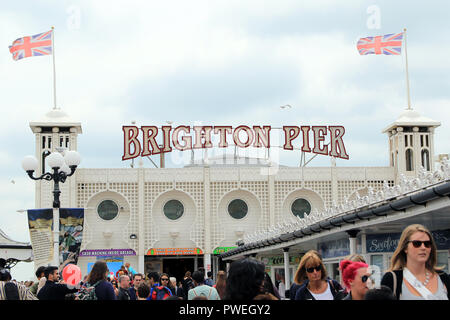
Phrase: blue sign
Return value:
(113, 267)
(388, 242)
(385, 242)
(333, 249)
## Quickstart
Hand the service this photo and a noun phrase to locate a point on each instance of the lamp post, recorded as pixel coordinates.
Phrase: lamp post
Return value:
(63, 167)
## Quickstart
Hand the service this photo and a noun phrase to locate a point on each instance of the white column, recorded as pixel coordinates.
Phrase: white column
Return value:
(207, 262)
(141, 264)
(364, 247)
(352, 245)
(271, 187)
(228, 267)
(352, 238)
(55, 260)
(195, 263)
(287, 278)
(207, 249)
(141, 225)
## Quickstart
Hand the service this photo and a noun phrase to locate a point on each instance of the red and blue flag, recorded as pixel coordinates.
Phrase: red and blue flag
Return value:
(390, 44)
(37, 45)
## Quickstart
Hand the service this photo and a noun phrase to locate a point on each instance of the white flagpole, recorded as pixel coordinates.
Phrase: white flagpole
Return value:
(54, 71)
(407, 75)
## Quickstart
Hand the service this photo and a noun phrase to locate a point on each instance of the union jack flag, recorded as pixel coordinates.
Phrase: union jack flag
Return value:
(390, 44)
(37, 45)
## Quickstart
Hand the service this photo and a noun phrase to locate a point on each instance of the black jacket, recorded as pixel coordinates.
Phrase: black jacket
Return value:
(293, 290)
(336, 290)
(54, 291)
(123, 294)
(388, 280)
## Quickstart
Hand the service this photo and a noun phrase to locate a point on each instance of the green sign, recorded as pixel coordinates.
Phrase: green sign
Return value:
(220, 250)
(275, 261)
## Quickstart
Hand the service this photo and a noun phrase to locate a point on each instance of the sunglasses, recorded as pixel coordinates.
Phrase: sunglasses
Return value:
(418, 243)
(311, 270)
(164, 279)
(365, 278)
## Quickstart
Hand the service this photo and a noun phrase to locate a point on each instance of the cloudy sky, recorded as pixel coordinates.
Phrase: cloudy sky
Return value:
(215, 62)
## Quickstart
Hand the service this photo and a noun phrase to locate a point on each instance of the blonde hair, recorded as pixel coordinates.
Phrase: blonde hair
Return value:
(356, 258)
(398, 260)
(311, 257)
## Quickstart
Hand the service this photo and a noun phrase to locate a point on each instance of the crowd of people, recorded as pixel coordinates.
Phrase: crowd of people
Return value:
(413, 275)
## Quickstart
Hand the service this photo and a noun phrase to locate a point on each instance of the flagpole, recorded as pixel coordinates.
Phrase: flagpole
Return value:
(54, 71)
(407, 75)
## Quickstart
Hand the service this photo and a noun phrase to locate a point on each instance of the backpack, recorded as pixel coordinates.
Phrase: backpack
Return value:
(11, 291)
(202, 294)
(88, 292)
(160, 293)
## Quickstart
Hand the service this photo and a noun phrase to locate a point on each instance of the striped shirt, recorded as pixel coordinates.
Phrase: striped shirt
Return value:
(24, 292)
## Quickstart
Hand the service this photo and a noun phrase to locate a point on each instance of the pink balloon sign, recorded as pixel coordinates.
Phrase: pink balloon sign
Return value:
(71, 274)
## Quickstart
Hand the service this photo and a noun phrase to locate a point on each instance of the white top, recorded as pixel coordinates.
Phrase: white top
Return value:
(440, 294)
(326, 295)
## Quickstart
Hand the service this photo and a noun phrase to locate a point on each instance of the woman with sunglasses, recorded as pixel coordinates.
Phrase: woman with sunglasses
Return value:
(311, 275)
(356, 278)
(413, 274)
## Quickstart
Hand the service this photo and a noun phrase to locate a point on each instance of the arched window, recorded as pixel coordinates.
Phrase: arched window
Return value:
(426, 159)
(409, 160)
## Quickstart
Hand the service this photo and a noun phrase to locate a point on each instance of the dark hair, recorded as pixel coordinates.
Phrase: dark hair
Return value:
(209, 274)
(143, 291)
(98, 272)
(5, 275)
(172, 298)
(138, 275)
(268, 285)
(40, 271)
(154, 276)
(49, 270)
(198, 277)
(245, 279)
(383, 293)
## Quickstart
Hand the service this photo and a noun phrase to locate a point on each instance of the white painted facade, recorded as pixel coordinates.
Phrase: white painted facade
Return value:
(205, 192)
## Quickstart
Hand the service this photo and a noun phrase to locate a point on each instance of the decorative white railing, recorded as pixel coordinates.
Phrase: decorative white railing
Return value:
(373, 198)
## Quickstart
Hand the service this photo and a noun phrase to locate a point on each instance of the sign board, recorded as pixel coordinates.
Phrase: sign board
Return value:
(174, 251)
(388, 242)
(107, 252)
(279, 260)
(309, 138)
(220, 250)
(333, 249)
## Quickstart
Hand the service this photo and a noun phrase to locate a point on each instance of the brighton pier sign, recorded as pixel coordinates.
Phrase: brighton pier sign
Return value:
(200, 137)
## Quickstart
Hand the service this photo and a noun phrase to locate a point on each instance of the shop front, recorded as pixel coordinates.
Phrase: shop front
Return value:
(381, 247)
(275, 269)
(114, 258)
(333, 252)
(173, 261)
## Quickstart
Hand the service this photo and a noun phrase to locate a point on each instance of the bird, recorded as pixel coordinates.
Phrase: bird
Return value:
(13, 181)
(286, 106)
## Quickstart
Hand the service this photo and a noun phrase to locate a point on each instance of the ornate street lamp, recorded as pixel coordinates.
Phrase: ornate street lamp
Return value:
(63, 167)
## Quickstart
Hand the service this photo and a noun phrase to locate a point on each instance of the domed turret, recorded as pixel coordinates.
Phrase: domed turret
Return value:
(411, 143)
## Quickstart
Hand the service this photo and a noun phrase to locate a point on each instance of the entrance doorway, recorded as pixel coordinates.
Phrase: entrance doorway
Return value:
(178, 266)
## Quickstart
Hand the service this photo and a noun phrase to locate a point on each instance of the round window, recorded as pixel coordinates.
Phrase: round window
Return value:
(173, 209)
(237, 209)
(107, 210)
(300, 207)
